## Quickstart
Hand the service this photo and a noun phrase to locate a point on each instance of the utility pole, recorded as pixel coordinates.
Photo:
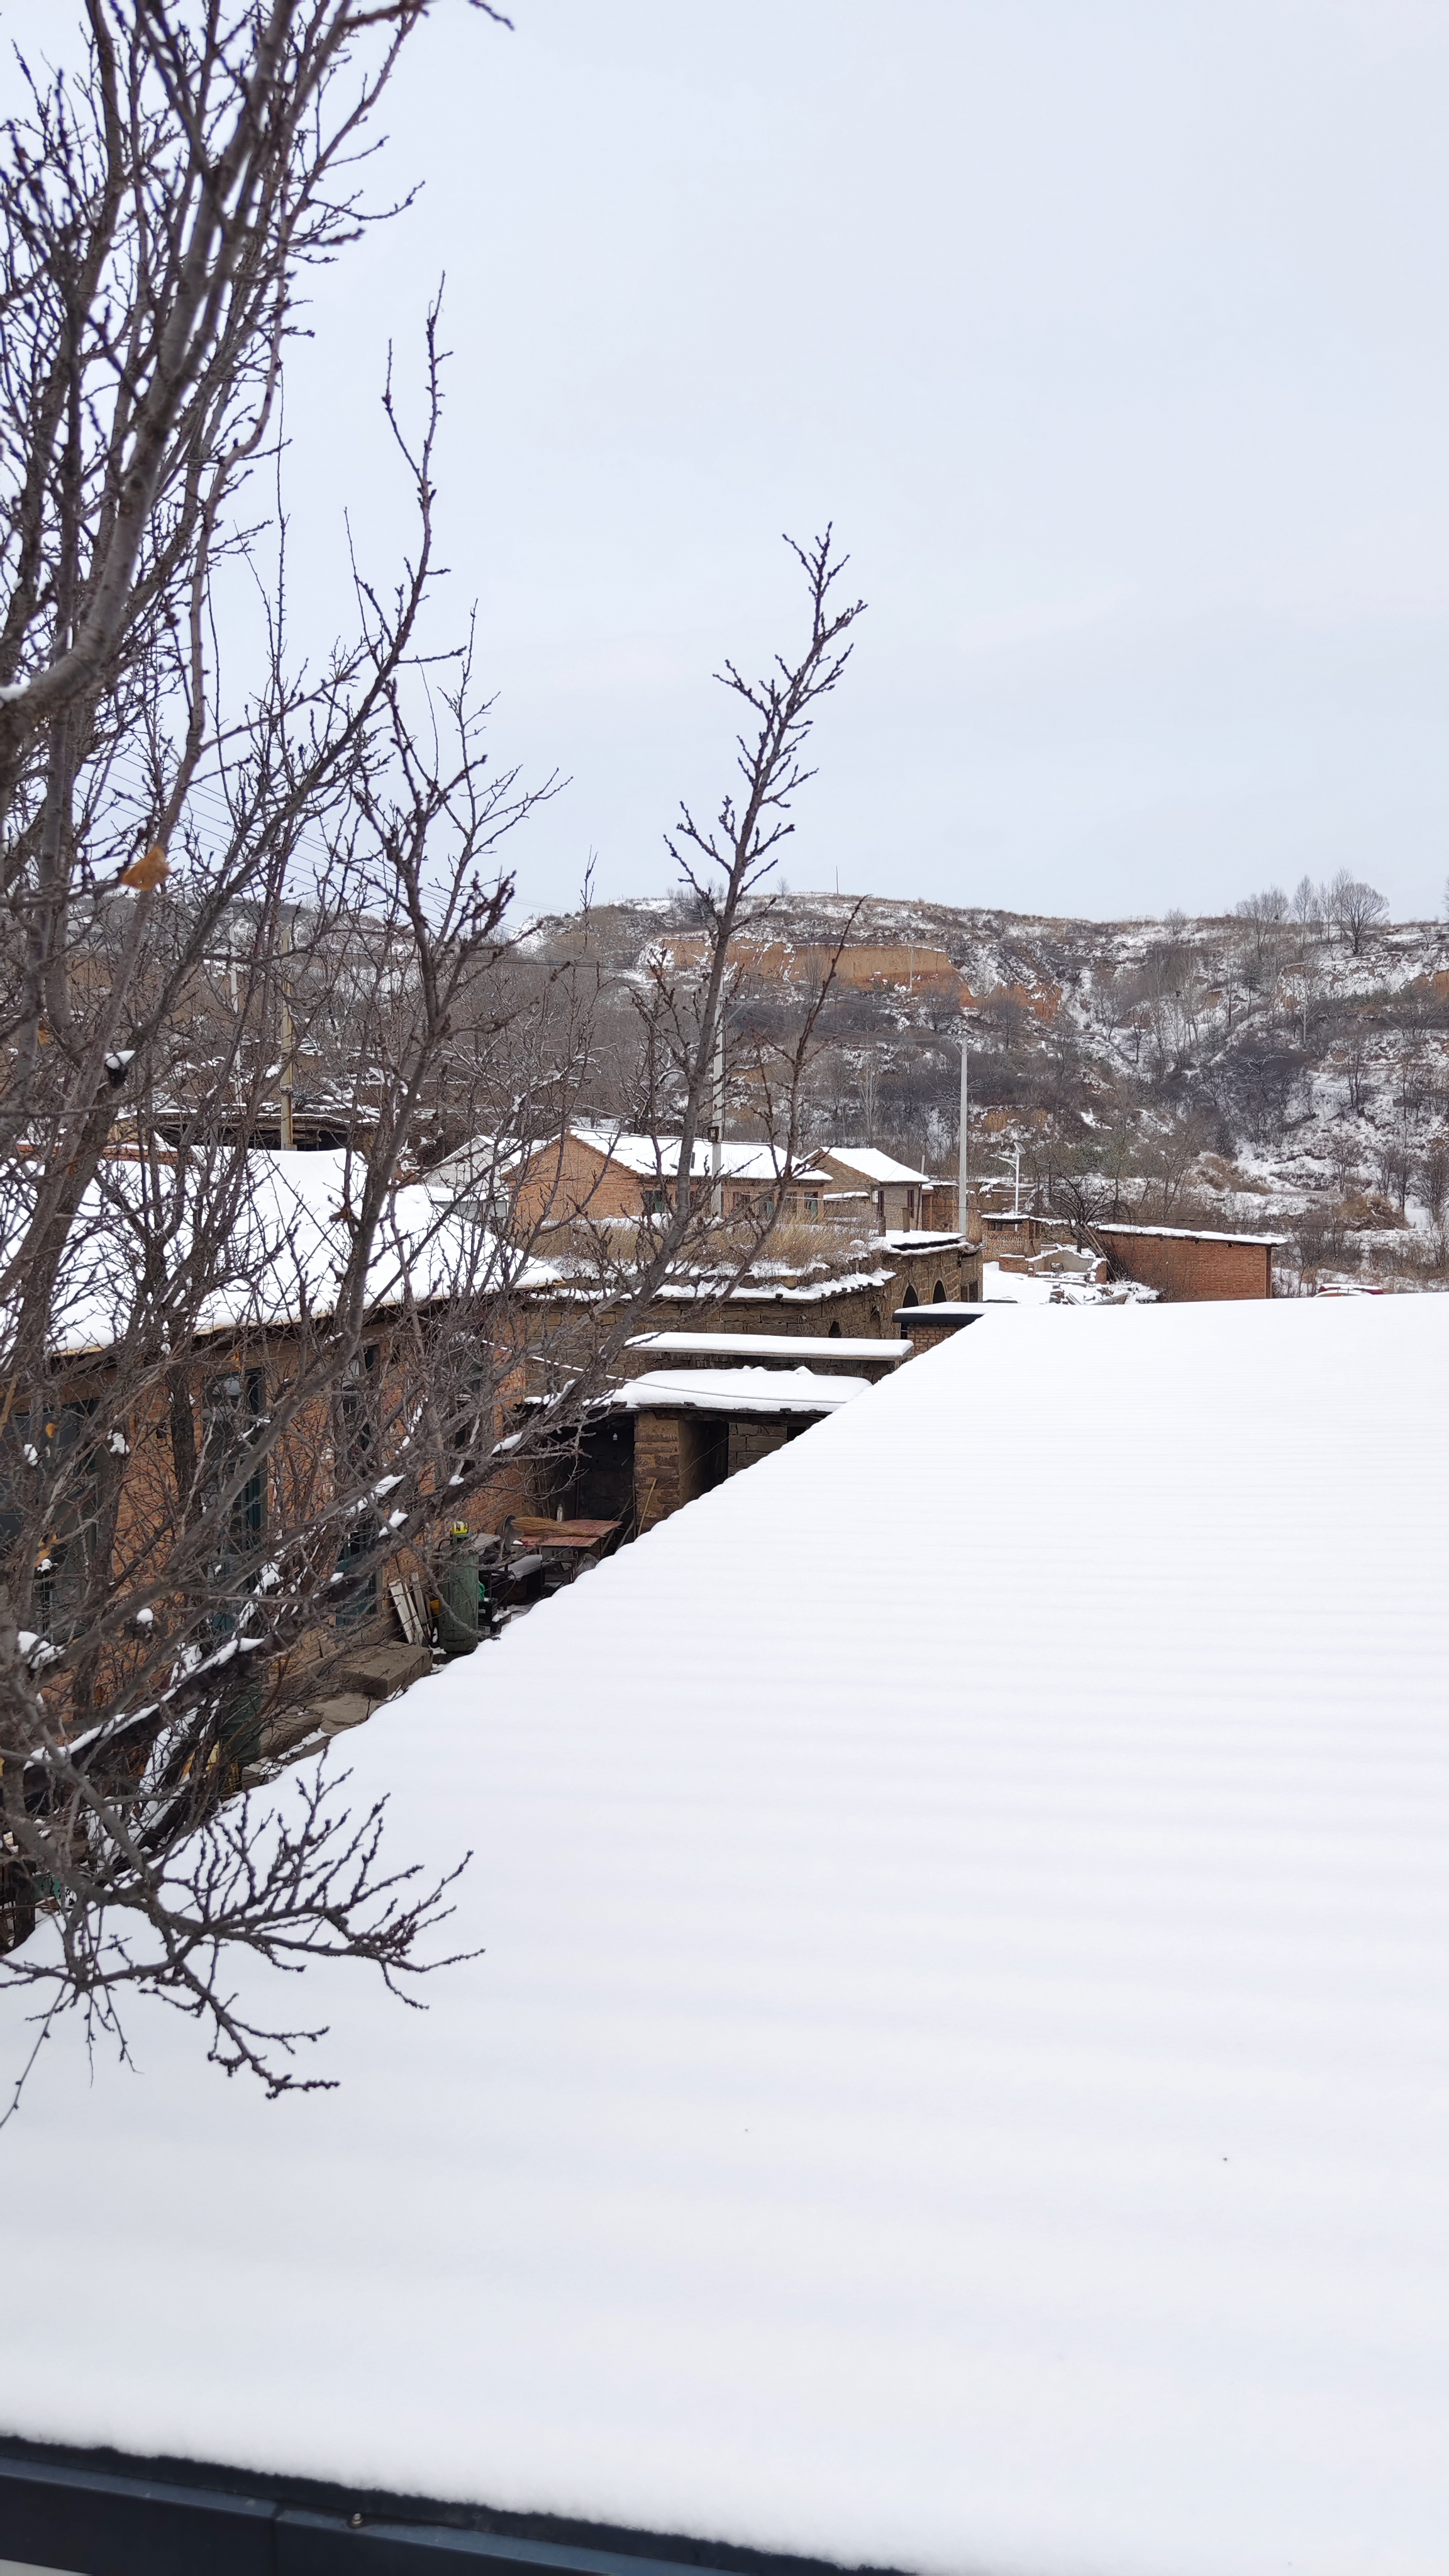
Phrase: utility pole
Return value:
(965, 1105)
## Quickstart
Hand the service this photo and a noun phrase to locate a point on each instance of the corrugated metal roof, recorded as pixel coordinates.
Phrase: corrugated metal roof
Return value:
(955, 2074)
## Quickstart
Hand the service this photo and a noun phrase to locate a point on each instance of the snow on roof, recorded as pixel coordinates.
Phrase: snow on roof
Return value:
(757, 1290)
(954, 2074)
(873, 1165)
(738, 1390)
(657, 1157)
(759, 1346)
(286, 1253)
(1188, 1233)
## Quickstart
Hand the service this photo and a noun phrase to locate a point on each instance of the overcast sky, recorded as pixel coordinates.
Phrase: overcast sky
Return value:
(1110, 333)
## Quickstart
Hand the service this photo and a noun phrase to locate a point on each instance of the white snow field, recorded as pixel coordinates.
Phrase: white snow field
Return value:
(957, 2079)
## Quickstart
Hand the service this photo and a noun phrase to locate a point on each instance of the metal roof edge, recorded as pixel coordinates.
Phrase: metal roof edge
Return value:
(106, 2513)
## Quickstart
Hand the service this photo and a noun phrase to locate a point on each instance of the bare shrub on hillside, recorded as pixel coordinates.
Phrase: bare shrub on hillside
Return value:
(1321, 1241)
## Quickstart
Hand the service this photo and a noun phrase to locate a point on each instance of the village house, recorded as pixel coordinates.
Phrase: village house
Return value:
(253, 1339)
(894, 1197)
(826, 1328)
(696, 1408)
(603, 1175)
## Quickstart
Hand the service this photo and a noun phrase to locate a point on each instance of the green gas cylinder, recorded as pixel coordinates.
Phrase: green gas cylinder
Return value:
(458, 1594)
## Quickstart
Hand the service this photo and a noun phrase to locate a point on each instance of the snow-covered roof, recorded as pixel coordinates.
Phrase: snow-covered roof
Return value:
(954, 2074)
(759, 1290)
(774, 1346)
(1188, 1233)
(286, 1253)
(657, 1157)
(737, 1390)
(873, 1165)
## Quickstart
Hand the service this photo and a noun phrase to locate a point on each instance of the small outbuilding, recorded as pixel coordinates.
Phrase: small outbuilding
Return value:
(1187, 1264)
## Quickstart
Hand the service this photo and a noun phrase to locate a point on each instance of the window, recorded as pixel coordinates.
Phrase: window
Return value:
(812, 1207)
(231, 1407)
(656, 1202)
(231, 1410)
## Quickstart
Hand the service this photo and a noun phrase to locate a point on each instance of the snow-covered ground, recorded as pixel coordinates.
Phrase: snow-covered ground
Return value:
(1022, 1288)
(956, 2075)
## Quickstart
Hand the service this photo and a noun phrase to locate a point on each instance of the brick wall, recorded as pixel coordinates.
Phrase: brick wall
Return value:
(570, 1178)
(751, 1441)
(679, 1456)
(1190, 1269)
(658, 1484)
(925, 1332)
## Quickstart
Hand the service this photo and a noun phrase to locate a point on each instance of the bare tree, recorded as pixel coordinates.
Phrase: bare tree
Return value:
(234, 905)
(1358, 1069)
(1394, 1165)
(1356, 909)
(1433, 1180)
(1308, 905)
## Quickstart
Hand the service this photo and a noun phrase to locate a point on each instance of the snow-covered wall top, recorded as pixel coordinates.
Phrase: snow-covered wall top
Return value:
(956, 2076)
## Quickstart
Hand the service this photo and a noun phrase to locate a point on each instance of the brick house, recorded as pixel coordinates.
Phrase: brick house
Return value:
(255, 1338)
(603, 1175)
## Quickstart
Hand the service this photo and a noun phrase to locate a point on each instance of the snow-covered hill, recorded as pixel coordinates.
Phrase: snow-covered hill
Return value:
(1244, 1071)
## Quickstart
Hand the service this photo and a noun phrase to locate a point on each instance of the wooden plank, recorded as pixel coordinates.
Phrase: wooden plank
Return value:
(546, 1533)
